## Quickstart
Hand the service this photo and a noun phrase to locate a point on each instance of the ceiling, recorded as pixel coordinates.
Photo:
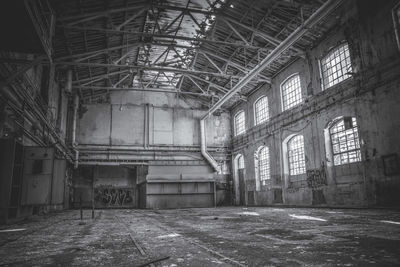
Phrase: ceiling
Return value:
(197, 49)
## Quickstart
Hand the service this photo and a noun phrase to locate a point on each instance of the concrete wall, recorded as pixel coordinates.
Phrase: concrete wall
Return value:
(106, 186)
(126, 124)
(371, 96)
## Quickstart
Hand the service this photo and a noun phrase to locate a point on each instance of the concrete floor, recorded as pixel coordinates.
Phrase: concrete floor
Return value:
(229, 236)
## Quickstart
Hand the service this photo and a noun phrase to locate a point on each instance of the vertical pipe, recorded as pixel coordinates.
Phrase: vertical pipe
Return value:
(93, 198)
(80, 205)
(146, 129)
(203, 146)
(73, 139)
(75, 115)
(68, 86)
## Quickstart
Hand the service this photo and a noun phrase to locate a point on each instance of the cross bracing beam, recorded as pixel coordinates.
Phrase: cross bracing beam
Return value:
(164, 36)
(141, 89)
(134, 45)
(151, 68)
(275, 41)
(316, 17)
(135, 7)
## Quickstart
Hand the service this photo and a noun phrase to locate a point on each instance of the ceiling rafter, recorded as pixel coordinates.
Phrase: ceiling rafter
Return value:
(164, 36)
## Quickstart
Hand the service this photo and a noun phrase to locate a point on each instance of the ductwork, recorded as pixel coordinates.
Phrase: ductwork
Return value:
(203, 146)
(318, 15)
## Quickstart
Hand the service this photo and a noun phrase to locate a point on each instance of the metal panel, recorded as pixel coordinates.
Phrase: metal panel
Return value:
(36, 189)
(166, 194)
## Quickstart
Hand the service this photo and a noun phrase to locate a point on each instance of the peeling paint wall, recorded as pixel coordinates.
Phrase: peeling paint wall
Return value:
(371, 96)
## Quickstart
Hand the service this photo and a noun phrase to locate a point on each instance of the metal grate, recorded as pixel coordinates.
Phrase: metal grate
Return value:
(261, 110)
(291, 92)
(336, 66)
(263, 165)
(297, 161)
(240, 126)
(345, 141)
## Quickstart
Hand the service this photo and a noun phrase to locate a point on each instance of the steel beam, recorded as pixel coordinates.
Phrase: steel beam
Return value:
(140, 89)
(144, 4)
(163, 36)
(151, 68)
(316, 17)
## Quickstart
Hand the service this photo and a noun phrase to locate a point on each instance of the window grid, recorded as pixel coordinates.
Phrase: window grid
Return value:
(263, 165)
(297, 161)
(345, 142)
(336, 66)
(291, 92)
(261, 110)
(240, 123)
(241, 162)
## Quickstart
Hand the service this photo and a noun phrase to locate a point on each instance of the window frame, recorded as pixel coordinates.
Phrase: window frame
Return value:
(396, 23)
(255, 110)
(240, 159)
(303, 160)
(267, 165)
(235, 125)
(325, 55)
(333, 124)
(281, 89)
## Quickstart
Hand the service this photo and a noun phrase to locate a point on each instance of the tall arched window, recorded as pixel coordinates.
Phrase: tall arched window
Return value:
(263, 165)
(291, 92)
(240, 161)
(345, 141)
(336, 66)
(261, 112)
(240, 123)
(296, 157)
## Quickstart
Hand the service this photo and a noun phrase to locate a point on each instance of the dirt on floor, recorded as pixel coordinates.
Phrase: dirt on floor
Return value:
(224, 236)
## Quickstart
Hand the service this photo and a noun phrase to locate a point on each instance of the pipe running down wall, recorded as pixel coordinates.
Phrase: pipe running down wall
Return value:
(316, 17)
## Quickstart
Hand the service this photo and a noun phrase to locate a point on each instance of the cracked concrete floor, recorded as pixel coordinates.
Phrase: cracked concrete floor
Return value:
(225, 236)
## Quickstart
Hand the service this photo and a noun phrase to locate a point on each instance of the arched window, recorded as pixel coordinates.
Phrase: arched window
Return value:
(336, 66)
(291, 92)
(261, 112)
(263, 164)
(345, 141)
(240, 161)
(239, 123)
(396, 21)
(296, 157)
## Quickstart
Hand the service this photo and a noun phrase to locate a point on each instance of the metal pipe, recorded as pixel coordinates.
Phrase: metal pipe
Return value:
(323, 11)
(75, 115)
(76, 160)
(203, 146)
(68, 86)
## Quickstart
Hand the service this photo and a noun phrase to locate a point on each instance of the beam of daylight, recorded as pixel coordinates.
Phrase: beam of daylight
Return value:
(391, 222)
(305, 217)
(12, 230)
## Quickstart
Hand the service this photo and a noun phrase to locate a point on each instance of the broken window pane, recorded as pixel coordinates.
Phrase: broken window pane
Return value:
(291, 92)
(345, 143)
(263, 165)
(261, 110)
(336, 66)
(297, 161)
(240, 123)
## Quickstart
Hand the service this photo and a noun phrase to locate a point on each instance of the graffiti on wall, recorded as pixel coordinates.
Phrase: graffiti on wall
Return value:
(316, 178)
(113, 197)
